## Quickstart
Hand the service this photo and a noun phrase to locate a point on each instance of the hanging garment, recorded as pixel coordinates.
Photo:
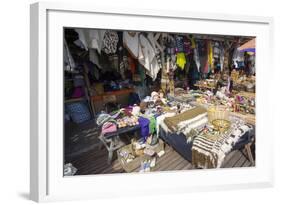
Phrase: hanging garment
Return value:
(164, 79)
(196, 58)
(206, 63)
(181, 60)
(156, 46)
(123, 61)
(123, 67)
(216, 50)
(210, 56)
(187, 45)
(203, 55)
(237, 57)
(131, 42)
(110, 41)
(132, 64)
(82, 37)
(179, 44)
(67, 57)
(94, 58)
(148, 57)
(193, 43)
(90, 38)
(222, 58)
(96, 39)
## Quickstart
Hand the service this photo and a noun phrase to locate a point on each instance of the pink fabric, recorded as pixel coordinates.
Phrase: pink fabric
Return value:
(108, 127)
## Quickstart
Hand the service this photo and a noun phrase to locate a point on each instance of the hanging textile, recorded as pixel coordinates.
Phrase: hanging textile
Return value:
(96, 39)
(237, 58)
(187, 45)
(94, 58)
(164, 79)
(148, 57)
(179, 44)
(210, 56)
(181, 60)
(196, 58)
(124, 66)
(203, 55)
(171, 83)
(222, 57)
(67, 58)
(216, 50)
(90, 38)
(193, 43)
(110, 41)
(153, 39)
(206, 63)
(132, 64)
(82, 37)
(131, 42)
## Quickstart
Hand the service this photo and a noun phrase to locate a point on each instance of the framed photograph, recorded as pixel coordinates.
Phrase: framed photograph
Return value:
(133, 102)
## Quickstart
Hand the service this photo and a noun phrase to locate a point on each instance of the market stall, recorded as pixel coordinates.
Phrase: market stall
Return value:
(146, 90)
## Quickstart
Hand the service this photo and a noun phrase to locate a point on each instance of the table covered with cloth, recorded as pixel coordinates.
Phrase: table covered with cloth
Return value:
(202, 151)
(209, 152)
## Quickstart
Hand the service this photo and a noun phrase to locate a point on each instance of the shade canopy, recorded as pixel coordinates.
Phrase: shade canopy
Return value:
(249, 46)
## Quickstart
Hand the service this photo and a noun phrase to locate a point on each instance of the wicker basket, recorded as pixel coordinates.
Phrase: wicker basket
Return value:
(218, 113)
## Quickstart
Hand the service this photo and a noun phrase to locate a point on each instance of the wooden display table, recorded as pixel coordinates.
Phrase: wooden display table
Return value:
(119, 96)
(110, 93)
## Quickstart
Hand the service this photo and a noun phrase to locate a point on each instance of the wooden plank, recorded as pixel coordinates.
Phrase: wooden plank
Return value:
(236, 156)
(247, 163)
(240, 162)
(187, 167)
(228, 158)
(181, 165)
(172, 159)
(177, 162)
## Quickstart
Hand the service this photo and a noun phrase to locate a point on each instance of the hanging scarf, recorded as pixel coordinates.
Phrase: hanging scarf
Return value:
(110, 41)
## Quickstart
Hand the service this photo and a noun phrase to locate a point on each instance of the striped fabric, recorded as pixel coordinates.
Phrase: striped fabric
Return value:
(208, 152)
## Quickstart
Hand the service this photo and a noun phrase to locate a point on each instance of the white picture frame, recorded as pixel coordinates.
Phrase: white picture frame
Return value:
(46, 102)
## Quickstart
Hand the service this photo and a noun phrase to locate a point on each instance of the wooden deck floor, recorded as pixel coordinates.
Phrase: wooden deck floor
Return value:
(95, 162)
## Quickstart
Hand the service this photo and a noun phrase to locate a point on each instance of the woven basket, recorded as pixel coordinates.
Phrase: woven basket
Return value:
(218, 113)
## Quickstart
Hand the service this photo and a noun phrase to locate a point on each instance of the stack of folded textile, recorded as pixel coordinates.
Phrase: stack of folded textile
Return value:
(190, 119)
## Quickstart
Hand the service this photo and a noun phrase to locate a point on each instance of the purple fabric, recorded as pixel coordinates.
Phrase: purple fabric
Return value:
(78, 92)
(248, 50)
(144, 125)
